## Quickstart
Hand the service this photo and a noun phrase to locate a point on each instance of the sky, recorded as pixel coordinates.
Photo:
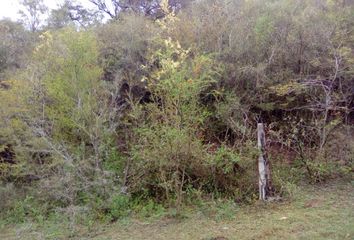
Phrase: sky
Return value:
(10, 8)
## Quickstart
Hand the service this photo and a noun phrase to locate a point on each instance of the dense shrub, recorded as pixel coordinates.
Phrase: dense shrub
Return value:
(140, 114)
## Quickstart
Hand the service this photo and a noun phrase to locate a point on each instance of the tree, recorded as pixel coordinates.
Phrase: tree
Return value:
(152, 8)
(31, 13)
(124, 46)
(70, 112)
(14, 46)
(71, 12)
(60, 17)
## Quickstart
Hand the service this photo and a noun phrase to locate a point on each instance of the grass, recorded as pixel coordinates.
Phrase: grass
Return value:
(317, 212)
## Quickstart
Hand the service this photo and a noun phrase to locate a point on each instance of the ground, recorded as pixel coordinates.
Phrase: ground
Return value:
(315, 212)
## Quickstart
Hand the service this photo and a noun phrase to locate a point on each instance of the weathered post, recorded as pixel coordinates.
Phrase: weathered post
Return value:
(263, 165)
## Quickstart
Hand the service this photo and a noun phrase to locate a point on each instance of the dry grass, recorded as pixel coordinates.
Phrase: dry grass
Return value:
(325, 212)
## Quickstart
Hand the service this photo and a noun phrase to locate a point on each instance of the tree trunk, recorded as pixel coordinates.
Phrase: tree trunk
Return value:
(263, 165)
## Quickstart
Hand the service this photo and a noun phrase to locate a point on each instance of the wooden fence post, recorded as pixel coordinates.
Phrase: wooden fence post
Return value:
(263, 165)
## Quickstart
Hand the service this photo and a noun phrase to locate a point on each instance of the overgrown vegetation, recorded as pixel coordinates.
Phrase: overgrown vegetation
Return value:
(156, 107)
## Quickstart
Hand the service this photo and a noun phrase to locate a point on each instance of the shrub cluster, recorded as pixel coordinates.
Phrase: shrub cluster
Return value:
(144, 113)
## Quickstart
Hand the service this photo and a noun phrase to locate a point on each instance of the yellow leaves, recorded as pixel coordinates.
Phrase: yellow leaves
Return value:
(331, 3)
(168, 42)
(333, 123)
(143, 79)
(287, 88)
(197, 69)
(346, 51)
(172, 60)
(348, 55)
(175, 46)
(178, 45)
(164, 6)
(170, 16)
(46, 41)
(315, 62)
(46, 36)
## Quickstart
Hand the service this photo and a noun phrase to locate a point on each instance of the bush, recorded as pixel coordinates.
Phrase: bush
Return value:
(28, 209)
(166, 110)
(168, 152)
(119, 206)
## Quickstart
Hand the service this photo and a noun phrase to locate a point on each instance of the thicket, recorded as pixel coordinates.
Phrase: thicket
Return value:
(146, 112)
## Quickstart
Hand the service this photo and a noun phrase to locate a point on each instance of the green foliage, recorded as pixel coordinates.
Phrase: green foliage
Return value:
(124, 46)
(165, 110)
(66, 128)
(114, 160)
(15, 134)
(15, 45)
(225, 159)
(71, 80)
(119, 207)
(263, 29)
(149, 209)
(24, 210)
(168, 149)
